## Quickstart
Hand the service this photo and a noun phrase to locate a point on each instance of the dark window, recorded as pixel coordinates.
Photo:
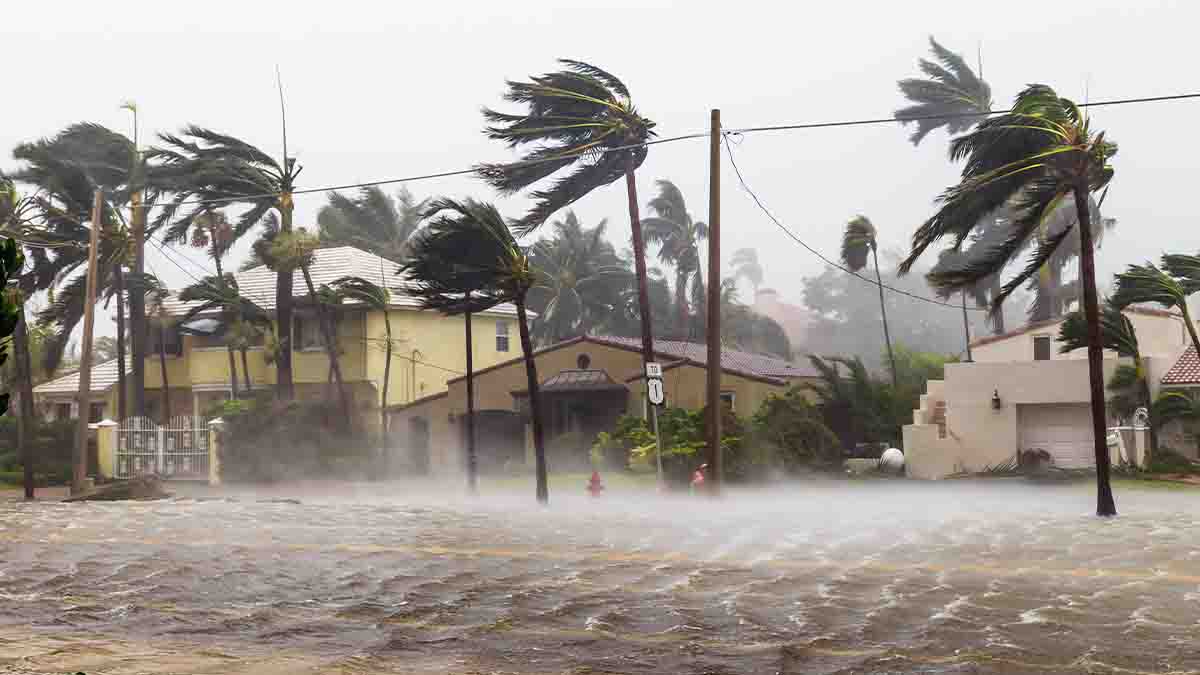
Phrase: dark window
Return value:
(501, 336)
(1041, 348)
(727, 398)
(584, 361)
(174, 346)
(307, 333)
(95, 412)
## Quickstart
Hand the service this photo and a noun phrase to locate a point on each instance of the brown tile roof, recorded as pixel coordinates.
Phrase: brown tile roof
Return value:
(104, 375)
(1185, 371)
(733, 360)
(572, 380)
(1035, 325)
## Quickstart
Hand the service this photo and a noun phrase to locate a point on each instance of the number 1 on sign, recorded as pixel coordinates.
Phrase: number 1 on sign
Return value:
(654, 390)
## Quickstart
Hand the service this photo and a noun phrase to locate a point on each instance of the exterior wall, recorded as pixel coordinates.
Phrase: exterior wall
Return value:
(687, 387)
(979, 436)
(1162, 336)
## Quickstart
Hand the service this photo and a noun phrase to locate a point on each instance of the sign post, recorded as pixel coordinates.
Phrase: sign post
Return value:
(657, 396)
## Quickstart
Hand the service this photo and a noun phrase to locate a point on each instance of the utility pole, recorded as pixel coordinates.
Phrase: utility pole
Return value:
(85, 355)
(715, 463)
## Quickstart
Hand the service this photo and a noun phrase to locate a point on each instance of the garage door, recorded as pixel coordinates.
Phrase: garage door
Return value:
(1063, 430)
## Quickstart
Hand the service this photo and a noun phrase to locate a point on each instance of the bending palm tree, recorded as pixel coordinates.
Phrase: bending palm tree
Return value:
(206, 166)
(379, 299)
(467, 260)
(1039, 154)
(15, 214)
(233, 310)
(858, 242)
(679, 239)
(581, 117)
(951, 96)
(1169, 287)
(372, 221)
(157, 294)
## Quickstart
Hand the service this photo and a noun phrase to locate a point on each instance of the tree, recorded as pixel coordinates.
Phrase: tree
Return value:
(853, 405)
(678, 237)
(581, 117)
(580, 279)
(859, 241)
(208, 167)
(743, 328)
(372, 221)
(466, 260)
(1169, 287)
(1039, 154)
(376, 298)
(162, 321)
(105, 347)
(951, 95)
(746, 266)
(223, 297)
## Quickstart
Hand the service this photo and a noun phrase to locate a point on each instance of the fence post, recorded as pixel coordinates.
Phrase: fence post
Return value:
(215, 429)
(106, 448)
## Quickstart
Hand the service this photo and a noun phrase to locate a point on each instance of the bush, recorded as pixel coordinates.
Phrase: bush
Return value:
(789, 435)
(53, 447)
(266, 440)
(1166, 460)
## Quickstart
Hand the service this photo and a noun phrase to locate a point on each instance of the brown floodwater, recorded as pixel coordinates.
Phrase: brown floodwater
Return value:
(889, 577)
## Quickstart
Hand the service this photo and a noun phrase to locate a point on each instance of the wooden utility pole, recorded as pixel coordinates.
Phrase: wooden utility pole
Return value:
(85, 354)
(715, 463)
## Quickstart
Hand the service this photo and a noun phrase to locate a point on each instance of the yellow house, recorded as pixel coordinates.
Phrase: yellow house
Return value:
(585, 383)
(427, 347)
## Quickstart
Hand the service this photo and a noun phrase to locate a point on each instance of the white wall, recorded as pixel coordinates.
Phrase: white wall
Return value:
(1162, 336)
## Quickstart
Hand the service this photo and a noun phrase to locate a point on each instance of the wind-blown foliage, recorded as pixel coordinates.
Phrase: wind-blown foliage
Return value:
(11, 264)
(859, 242)
(1169, 287)
(376, 298)
(371, 220)
(746, 266)
(951, 91)
(678, 237)
(222, 296)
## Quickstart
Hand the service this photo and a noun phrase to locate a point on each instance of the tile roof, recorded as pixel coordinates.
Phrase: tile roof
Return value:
(104, 375)
(580, 380)
(329, 265)
(1185, 371)
(733, 360)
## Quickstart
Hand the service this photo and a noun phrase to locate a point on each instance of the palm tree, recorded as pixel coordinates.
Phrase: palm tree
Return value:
(743, 328)
(858, 241)
(16, 222)
(208, 167)
(678, 237)
(223, 297)
(1116, 334)
(156, 292)
(466, 259)
(375, 298)
(1040, 153)
(372, 221)
(581, 117)
(1169, 287)
(746, 266)
(951, 95)
(579, 281)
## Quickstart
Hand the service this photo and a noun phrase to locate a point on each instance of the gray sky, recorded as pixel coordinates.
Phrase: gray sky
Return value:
(382, 90)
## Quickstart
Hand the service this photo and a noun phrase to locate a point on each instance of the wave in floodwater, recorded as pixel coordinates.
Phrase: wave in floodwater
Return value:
(897, 578)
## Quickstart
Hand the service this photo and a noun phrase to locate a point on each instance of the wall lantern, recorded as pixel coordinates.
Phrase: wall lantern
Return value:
(996, 403)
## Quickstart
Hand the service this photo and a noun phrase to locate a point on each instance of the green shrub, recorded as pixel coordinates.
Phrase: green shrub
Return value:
(53, 446)
(789, 434)
(1166, 460)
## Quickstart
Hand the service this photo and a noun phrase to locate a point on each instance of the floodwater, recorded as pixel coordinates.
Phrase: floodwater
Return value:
(888, 577)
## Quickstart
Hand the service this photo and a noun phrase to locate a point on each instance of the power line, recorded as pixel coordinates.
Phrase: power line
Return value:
(798, 240)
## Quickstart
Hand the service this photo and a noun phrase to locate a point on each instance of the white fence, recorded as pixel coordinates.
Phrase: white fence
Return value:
(177, 450)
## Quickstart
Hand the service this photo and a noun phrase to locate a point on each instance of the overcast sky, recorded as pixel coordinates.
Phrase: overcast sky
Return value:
(382, 90)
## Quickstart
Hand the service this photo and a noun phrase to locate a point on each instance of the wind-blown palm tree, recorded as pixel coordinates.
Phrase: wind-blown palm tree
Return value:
(678, 237)
(581, 118)
(1039, 154)
(16, 223)
(209, 167)
(858, 242)
(746, 266)
(376, 298)
(372, 221)
(580, 279)
(223, 297)
(160, 318)
(1169, 286)
(951, 95)
(466, 260)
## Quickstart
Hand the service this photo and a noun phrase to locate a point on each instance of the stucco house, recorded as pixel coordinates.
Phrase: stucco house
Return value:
(427, 347)
(1020, 393)
(586, 383)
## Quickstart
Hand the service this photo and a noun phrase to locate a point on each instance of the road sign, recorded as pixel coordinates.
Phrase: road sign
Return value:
(653, 370)
(654, 390)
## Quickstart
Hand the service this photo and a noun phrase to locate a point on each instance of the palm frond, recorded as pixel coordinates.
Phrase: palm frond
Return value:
(858, 242)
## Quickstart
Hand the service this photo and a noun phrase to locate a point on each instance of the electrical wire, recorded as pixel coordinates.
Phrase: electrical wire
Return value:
(798, 240)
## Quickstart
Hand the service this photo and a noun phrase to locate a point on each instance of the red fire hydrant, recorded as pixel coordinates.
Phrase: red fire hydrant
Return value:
(594, 486)
(698, 479)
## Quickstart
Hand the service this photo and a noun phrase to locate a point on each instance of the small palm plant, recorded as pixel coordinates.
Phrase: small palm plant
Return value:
(466, 260)
(1168, 286)
(375, 298)
(235, 312)
(859, 242)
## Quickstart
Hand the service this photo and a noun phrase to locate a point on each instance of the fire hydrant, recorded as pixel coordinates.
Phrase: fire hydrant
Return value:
(594, 486)
(698, 479)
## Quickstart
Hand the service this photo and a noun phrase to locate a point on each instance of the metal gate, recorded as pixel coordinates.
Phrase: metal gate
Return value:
(177, 450)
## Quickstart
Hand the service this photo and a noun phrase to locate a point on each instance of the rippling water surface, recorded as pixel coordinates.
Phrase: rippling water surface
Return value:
(893, 577)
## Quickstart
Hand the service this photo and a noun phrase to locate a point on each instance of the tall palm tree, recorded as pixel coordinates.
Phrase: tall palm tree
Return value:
(1041, 153)
(375, 298)
(678, 237)
(579, 281)
(16, 223)
(160, 318)
(858, 242)
(581, 117)
(466, 259)
(372, 221)
(746, 266)
(1169, 286)
(208, 167)
(951, 95)
(223, 297)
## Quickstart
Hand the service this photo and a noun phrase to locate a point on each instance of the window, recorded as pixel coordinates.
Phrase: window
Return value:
(501, 336)
(1041, 348)
(62, 411)
(307, 333)
(95, 412)
(727, 399)
(174, 346)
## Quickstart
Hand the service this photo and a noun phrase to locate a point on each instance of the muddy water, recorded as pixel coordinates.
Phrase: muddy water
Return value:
(891, 578)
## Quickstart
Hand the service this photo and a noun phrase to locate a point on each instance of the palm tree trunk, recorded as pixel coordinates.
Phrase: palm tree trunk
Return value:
(162, 365)
(535, 408)
(1105, 505)
(472, 459)
(330, 345)
(966, 326)
(137, 305)
(246, 369)
(887, 336)
(681, 304)
(284, 388)
(639, 263)
(25, 416)
(387, 380)
(998, 316)
(122, 391)
(233, 382)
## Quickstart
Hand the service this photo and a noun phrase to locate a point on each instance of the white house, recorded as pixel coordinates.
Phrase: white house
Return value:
(1020, 393)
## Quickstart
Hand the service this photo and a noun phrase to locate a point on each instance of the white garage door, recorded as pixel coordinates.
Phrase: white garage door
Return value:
(1063, 430)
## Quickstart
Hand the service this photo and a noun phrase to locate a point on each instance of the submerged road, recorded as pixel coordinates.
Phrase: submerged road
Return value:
(883, 577)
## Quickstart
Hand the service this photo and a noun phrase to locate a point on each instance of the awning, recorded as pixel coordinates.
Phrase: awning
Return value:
(203, 327)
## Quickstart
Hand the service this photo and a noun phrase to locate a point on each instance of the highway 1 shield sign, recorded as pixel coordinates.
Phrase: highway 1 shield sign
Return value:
(654, 390)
